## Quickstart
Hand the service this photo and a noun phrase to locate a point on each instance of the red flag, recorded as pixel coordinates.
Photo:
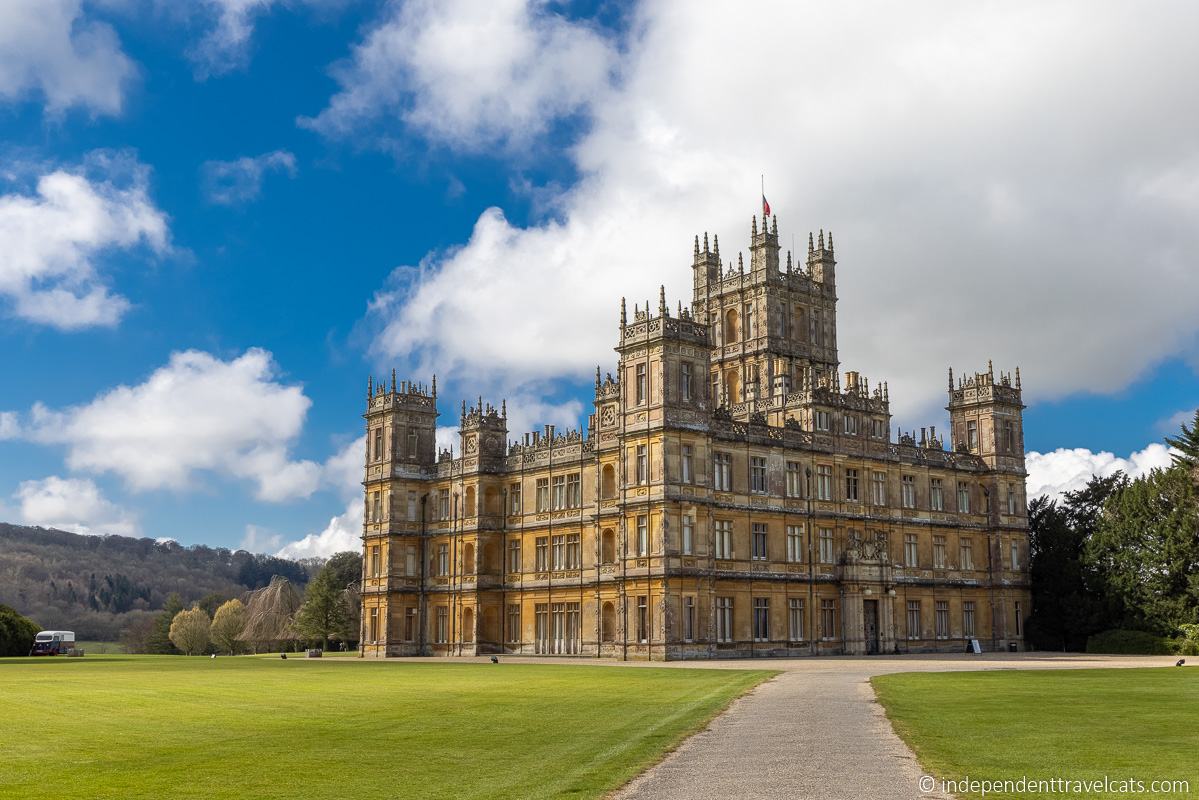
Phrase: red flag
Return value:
(765, 208)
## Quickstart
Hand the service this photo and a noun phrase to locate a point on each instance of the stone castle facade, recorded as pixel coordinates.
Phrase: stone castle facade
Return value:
(733, 495)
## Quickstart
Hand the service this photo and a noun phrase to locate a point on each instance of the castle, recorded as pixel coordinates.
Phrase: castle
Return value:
(733, 495)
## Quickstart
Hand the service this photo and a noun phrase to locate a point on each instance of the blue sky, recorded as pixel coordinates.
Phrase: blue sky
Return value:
(302, 194)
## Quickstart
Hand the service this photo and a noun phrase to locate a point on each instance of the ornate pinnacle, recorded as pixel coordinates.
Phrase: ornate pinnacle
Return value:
(370, 387)
(788, 261)
(393, 380)
(753, 231)
(697, 244)
(830, 241)
(623, 316)
(774, 224)
(740, 263)
(820, 241)
(1017, 377)
(662, 310)
(597, 377)
(435, 386)
(504, 406)
(705, 241)
(811, 246)
(716, 246)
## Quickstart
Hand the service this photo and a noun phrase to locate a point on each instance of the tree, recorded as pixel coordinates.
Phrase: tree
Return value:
(190, 631)
(227, 625)
(159, 641)
(211, 602)
(16, 633)
(1187, 443)
(325, 612)
(136, 636)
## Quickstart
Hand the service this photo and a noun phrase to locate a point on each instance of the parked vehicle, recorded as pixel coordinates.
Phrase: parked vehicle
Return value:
(53, 643)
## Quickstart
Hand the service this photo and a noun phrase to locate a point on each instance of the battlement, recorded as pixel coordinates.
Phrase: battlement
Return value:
(646, 325)
(402, 396)
(608, 387)
(982, 387)
(484, 415)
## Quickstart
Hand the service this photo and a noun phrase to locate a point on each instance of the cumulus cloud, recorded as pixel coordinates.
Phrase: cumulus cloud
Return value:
(195, 414)
(239, 181)
(10, 427)
(72, 504)
(259, 540)
(51, 49)
(53, 241)
(226, 44)
(993, 186)
(472, 72)
(1068, 470)
(342, 472)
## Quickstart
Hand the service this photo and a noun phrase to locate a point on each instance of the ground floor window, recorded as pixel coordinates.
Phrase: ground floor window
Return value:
(942, 609)
(409, 624)
(688, 618)
(795, 618)
(558, 628)
(1019, 620)
(913, 619)
(761, 619)
(642, 619)
(442, 633)
(828, 619)
(373, 633)
(514, 622)
(724, 619)
(968, 619)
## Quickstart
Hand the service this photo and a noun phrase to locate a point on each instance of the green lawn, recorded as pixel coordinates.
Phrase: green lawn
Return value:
(178, 727)
(1071, 724)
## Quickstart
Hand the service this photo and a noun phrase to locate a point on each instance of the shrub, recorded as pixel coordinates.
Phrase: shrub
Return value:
(1188, 645)
(16, 633)
(1130, 643)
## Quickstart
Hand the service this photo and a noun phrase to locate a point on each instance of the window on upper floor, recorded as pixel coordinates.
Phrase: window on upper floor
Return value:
(963, 497)
(851, 485)
(642, 464)
(878, 488)
(822, 420)
(543, 494)
(759, 542)
(757, 475)
(972, 435)
(722, 472)
(936, 495)
(824, 482)
(850, 425)
(378, 444)
(794, 479)
(907, 485)
(640, 384)
(911, 550)
(685, 385)
(687, 464)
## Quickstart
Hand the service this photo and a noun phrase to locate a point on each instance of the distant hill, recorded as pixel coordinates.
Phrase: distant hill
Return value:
(99, 585)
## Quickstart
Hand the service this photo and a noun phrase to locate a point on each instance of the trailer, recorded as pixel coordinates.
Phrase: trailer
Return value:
(53, 643)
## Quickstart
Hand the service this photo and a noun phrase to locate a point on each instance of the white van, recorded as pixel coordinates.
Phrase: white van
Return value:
(53, 643)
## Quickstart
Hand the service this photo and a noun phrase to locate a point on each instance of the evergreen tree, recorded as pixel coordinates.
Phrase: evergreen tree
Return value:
(160, 640)
(325, 612)
(1187, 443)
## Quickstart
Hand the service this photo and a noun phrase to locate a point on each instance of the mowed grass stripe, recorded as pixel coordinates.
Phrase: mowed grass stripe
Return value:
(142, 726)
(1069, 724)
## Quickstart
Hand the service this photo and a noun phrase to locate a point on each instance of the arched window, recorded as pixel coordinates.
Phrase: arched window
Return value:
(732, 328)
(468, 559)
(608, 547)
(469, 509)
(608, 623)
(468, 625)
(608, 482)
(732, 386)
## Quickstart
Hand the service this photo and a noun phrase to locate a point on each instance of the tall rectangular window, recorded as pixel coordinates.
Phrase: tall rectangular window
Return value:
(443, 504)
(442, 631)
(822, 420)
(761, 619)
(757, 475)
(541, 627)
(573, 551)
(514, 564)
(851, 485)
(688, 618)
(795, 619)
(542, 554)
(724, 538)
(759, 541)
(409, 624)
(795, 549)
(911, 550)
(642, 464)
(966, 553)
(514, 499)
(907, 486)
(1011, 499)
(794, 479)
(558, 551)
(374, 625)
(643, 535)
(851, 424)
(558, 494)
(724, 619)
(942, 619)
(968, 619)
(722, 472)
(972, 435)
(936, 495)
(1019, 619)
(513, 632)
(412, 512)
(878, 484)
(1009, 437)
(938, 552)
(543, 494)
(913, 619)
(641, 388)
(376, 507)
(376, 568)
(574, 490)
(642, 619)
(378, 444)
(412, 440)
(963, 497)
(824, 482)
(410, 560)
(688, 535)
(685, 380)
(828, 619)
(687, 463)
(1015, 555)
(443, 559)
(825, 535)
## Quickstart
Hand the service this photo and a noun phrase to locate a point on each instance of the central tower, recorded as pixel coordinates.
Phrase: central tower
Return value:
(771, 324)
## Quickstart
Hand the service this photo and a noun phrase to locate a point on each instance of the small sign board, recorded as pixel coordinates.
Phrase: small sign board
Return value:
(975, 647)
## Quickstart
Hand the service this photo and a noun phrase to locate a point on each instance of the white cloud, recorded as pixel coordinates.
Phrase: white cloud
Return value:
(259, 540)
(239, 181)
(344, 532)
(473, 72)
(988, 171)
(196, 413)
(10, 427)
(1171, 425)
(226, 45)
(52, 241)
(1068, 470)
(51, 49)
(72, 504)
